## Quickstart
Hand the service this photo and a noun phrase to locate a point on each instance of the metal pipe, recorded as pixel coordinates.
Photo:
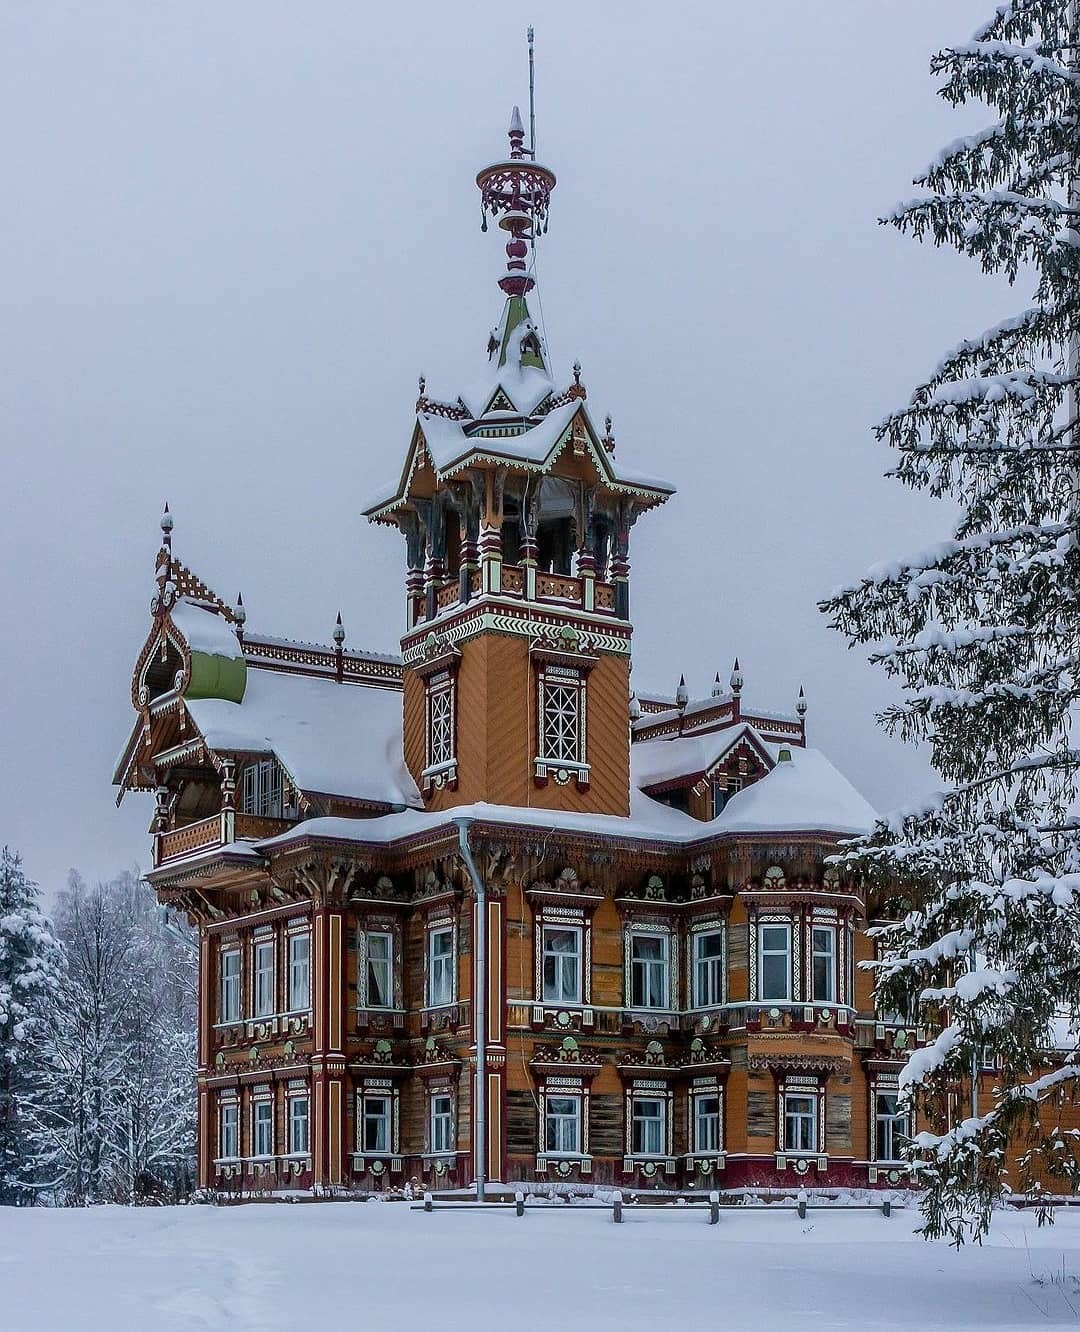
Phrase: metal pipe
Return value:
(479, 1009)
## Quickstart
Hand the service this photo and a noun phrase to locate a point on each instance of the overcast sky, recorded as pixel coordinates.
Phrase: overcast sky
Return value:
(233, 235)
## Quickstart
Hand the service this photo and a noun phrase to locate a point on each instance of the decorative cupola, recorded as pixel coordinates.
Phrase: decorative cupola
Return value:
(517, 529)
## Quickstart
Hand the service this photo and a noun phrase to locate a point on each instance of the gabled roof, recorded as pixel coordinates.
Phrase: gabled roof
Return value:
(452, 445)
(332, 739)
(684, 759)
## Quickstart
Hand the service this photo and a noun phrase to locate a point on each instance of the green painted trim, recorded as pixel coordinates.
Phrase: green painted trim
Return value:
(217, 677)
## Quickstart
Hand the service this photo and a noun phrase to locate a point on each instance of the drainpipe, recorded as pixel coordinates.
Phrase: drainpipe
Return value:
(479, 1008)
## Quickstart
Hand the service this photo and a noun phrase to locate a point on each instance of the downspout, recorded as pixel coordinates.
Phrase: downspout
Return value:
(479, 1008)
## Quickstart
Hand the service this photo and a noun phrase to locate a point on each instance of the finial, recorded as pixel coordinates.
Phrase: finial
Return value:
(167, 526)
(718, 688)
(736, 678)
(800, 703)
(240, 614)
(682, 694)
(516, 192)
(609, 438)
(339, 631)
(422, 382)
(577, 372)
(517, 136)
(635, 707)
(532, 94)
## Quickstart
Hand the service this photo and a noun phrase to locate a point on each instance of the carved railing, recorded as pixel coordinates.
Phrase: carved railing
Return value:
(513, 579)
(558, 587)
(191, 837)
(255, 827)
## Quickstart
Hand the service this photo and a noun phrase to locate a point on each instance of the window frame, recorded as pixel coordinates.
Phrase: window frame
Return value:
(800, 1117)
(262, 789)
(258, 1121)
(259, 973)
(899, 1122)
(716, 1117)
(440, 729)
(230, 983)
(576, 1117)
(371, 964)
(763, 953)
(716, 967)
(638, 1100)
(445, 1118)
(384, 1119)
(296, 1099)
(294, 966)
(644, 967)
(435, 962)
(832, 957)
(550, 927)
(229, 1110)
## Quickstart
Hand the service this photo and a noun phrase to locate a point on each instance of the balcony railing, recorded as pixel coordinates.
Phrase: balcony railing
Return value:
(565, 590)
(217, 830)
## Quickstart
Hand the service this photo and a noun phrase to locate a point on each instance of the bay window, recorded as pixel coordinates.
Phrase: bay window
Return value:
(774, 949)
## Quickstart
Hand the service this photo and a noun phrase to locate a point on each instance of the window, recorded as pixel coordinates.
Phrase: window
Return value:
(379, 992)
(229, 999)
(375, 1125)
(229, 1131)
(890, 1127)
(723, 788)
(562, 716)
(562, 965)
(441, 966)
(440, 722)
(824, 962)
(775, 973)
(562, 1126)
(299, 972)
(707, 1123)
(708, 985)
(649, 971)
(298, 1125)
(262, 1135)
(264, 979)
(800, 1123)
(442, 1123)
(648, 1126)
(264, 790)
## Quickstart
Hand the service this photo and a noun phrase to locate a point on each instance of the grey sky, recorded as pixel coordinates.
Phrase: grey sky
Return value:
(234, 234)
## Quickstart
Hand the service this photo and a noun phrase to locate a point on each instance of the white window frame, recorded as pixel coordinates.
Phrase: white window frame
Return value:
(641, 1148)
(711, 1121)
(263, 789)
(259, 1121)
(299, 971)
(898, 1122)
(374, 964)
(441, 1128)
(229, 1130)
(829, 955)
(798, 1118)
(299, 1142)
(382, 1119)
(441, 965)
(230, 988)
(264, 978)
(763, 952)
(561, 727)
(722, 794)
(557, 1117)
(556, 993)
(709, 970)
(648, 968)
(439, 728)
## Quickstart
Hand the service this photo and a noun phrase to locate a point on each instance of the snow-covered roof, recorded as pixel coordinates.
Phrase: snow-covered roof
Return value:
(332, 739)
(803, 794)
(205, 630)
(658, 762)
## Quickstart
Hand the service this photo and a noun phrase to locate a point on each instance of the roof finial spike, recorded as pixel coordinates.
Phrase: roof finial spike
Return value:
(240, 614)
(800, 703)
(517, 136)
(718, 688)
(166, 526)
(682, 694)
(609, 435)
(736, 678)
(532, 94)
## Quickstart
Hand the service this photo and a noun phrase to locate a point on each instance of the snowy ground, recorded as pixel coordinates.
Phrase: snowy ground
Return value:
(380, 1265)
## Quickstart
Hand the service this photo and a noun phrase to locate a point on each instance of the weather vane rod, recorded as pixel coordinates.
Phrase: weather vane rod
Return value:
(532, 98)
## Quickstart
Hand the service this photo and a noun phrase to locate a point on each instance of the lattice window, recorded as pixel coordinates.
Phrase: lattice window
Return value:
(561, 748)
(440, 731)
(264, 790)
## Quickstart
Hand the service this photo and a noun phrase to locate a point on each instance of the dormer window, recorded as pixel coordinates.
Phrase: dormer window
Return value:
(724, 786)
(263, 791)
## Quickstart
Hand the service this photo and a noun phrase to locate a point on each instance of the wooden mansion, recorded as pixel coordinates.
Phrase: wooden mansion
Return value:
(479, 912)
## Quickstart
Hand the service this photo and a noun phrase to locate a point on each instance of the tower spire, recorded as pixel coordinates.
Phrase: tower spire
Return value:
(516, 193)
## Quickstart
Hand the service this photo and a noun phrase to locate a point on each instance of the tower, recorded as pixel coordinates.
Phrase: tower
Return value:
(517, 524)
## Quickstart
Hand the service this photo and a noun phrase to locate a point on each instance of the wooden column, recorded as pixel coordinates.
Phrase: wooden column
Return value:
(206, 1130)
(328, 1047)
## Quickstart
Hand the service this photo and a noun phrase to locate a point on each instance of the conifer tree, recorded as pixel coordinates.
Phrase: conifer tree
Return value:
(28, 979)
(982, 632)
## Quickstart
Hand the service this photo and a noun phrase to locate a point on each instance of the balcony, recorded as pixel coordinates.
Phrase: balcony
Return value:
(217, 830)
(567, 591)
